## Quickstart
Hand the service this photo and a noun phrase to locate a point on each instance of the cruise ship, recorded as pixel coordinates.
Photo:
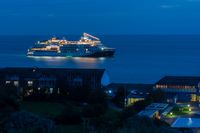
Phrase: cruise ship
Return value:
(87, 46)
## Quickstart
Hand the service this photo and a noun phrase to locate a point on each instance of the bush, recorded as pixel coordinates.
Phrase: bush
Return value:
(24, 122)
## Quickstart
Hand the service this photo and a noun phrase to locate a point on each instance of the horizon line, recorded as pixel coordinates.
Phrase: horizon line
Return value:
(163, 34)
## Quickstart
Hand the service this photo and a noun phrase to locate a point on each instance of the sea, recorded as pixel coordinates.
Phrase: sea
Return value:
(138, 58)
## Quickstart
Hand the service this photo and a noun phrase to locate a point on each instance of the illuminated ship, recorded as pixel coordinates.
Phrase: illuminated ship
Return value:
(87, 46)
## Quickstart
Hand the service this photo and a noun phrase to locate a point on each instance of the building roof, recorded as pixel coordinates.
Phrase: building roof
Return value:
(147, 113)
(186, 123)
(179, 80)
(157, 106)
(31, 71)
(132, 95)
(151, 109)
(131, 87)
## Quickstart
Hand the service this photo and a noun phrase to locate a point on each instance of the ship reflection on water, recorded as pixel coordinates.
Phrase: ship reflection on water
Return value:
(88, 60)
(77, 62)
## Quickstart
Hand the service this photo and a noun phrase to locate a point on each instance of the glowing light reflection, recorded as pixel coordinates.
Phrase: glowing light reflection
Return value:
(57, 61)
(85, 60)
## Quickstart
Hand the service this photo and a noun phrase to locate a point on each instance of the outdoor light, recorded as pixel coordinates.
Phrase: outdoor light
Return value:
(171, 113)
(190, 109)
(188, 105)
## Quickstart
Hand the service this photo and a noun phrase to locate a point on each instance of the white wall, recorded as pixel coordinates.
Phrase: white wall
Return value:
(105, 80)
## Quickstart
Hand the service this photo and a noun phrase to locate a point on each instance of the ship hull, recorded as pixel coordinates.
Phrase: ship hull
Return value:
(109, 53)
(102, 54)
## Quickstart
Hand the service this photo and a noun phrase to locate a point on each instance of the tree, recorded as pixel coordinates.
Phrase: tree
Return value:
(157, 96)
(120, 96)
(9, 100)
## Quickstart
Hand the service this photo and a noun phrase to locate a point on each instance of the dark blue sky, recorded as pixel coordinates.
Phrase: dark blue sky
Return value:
(39, 17)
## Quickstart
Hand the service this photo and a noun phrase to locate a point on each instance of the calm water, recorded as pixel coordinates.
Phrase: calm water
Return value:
(138, 59)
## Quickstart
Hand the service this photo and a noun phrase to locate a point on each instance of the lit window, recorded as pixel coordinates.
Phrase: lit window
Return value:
(7, 82)
(58, 90)
(16, 83)
(30, 83)
(51, 90)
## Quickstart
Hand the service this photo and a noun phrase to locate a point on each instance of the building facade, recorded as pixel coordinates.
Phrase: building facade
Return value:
(52, 79)
(154, 110)
(179, 88)
(132, 92)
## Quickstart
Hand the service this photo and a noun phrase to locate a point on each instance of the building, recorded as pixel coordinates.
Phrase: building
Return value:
(133, 92)
(157, 106)
(154, 110)
(134, 97)
(180, 89)
(139, 92)
(149, 113)
(51, 79)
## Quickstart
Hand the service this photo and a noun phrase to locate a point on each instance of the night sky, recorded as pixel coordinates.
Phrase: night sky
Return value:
(44, 17)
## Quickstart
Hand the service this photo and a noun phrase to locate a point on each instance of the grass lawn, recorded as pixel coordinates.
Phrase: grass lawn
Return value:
(177, 111)
(43, 108)
(53, 109)
(111, 113)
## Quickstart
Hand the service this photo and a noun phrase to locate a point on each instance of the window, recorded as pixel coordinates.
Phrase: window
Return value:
(16, 83)
(78, 81)
(7, 82)
(51, 90)
(30, 83)
(193, 98)
(58, 90)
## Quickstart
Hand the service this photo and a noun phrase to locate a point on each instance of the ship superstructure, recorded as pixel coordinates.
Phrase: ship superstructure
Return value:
(87, 46)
